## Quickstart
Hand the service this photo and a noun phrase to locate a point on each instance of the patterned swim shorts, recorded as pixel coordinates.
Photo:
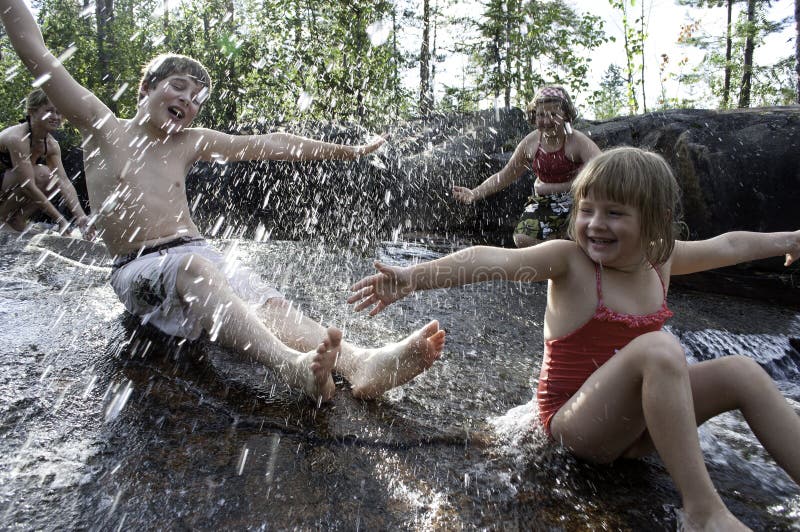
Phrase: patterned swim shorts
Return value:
(545, 216)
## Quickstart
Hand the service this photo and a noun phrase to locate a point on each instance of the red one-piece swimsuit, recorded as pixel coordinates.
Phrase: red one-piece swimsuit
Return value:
(570, 360)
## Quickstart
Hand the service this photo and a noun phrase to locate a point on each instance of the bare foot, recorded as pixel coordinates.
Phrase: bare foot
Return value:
(395, 364)
(722, 521)
(319, 383)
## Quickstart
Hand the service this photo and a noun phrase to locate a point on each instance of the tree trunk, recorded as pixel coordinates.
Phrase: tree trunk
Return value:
(230, 81)
(104, 15)
(797, 46)
(165, 24)
(749, 45)
(507, 94)
(641, 34)
(425, 103)
(726, 88)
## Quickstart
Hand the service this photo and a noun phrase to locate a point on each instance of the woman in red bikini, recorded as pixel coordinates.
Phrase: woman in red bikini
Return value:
(555, 153)
(612, 383)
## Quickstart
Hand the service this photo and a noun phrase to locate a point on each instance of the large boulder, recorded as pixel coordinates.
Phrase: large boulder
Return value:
(737, 169)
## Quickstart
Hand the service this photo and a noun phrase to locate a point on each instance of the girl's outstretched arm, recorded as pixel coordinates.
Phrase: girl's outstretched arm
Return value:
(471, 265)
(733, 248)
(516, 166)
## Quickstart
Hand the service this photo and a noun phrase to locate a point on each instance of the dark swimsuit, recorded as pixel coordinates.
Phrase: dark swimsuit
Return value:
(5, 157)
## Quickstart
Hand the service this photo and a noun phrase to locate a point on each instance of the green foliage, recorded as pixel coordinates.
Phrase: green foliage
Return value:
(610, 100)
(772, 84)
(522, 45)
(634, 36)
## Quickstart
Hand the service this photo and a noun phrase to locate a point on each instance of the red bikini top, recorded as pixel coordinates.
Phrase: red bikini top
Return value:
(554, 167)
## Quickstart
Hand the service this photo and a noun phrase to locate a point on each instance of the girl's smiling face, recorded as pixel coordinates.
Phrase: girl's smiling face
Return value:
(48, 115)
(609, 232)
(550, 118)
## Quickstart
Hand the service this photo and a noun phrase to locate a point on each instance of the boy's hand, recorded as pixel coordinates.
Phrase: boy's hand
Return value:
(366, 149)
(793, 253)
(464, 195)
(382, 289)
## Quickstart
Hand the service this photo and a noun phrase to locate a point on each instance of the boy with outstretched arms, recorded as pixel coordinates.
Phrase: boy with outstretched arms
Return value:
(164, 271)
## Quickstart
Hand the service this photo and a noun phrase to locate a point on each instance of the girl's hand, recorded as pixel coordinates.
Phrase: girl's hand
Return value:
(86, 229)
(382, 289)
(464, 195)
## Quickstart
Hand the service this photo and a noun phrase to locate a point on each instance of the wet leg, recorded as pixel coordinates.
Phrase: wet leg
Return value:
(646, 386)
(371, 372)
(739, 383)
(225, 316)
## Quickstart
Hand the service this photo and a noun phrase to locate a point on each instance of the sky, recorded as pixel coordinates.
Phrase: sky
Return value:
(664, 19)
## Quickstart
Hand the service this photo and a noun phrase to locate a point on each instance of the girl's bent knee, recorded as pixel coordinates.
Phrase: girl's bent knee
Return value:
(746, 371)
(664, 352)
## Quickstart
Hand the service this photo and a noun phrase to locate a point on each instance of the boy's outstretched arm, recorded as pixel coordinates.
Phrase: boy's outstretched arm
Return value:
(277, 147)
(471, 265)
(74, 101)
(733, 248)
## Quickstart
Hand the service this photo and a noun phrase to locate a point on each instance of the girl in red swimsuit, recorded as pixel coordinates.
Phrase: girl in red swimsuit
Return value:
(555, 152)
(612, 383)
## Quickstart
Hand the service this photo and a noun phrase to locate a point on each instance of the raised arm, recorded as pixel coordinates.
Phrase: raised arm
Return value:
(277, 147)
(515, 167)
(75, 102)
(733, 248)
(471, 265)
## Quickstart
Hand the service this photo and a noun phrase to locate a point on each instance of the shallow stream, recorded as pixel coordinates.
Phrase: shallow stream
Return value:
(106, 425)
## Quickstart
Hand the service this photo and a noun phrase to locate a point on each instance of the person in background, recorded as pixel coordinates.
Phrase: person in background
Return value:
(31, 171)
(555, 152)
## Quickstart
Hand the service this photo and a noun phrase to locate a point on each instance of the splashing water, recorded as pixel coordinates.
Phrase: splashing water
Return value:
(379, 32)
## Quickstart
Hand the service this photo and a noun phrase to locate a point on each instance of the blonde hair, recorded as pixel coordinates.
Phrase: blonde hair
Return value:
(36, 99)
(643, 180)
(553, 93)
(165, 65)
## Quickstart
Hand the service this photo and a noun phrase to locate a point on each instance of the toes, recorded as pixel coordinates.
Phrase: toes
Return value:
(335, 337)
(430, 329)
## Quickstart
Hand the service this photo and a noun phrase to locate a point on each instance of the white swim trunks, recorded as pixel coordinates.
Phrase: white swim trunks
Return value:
(147, 286)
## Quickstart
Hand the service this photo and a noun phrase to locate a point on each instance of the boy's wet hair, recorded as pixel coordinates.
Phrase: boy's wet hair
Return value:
(552, 93)
(35, 99)
(165, 65)
(641, 179)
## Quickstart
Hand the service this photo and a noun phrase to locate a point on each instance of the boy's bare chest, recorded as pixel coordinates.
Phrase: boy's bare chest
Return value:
(138, 174)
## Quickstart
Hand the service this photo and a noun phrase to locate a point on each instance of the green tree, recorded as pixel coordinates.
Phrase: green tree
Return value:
(732, 71)
(522, 45)
(634, 35)
(610, 100)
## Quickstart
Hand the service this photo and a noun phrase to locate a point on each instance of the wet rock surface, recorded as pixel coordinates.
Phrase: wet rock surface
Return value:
(106, 424)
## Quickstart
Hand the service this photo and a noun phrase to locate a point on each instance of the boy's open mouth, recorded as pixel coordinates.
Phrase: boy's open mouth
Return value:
(176, 112)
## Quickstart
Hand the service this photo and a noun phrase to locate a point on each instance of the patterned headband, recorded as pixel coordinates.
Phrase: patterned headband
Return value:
(551, 92)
